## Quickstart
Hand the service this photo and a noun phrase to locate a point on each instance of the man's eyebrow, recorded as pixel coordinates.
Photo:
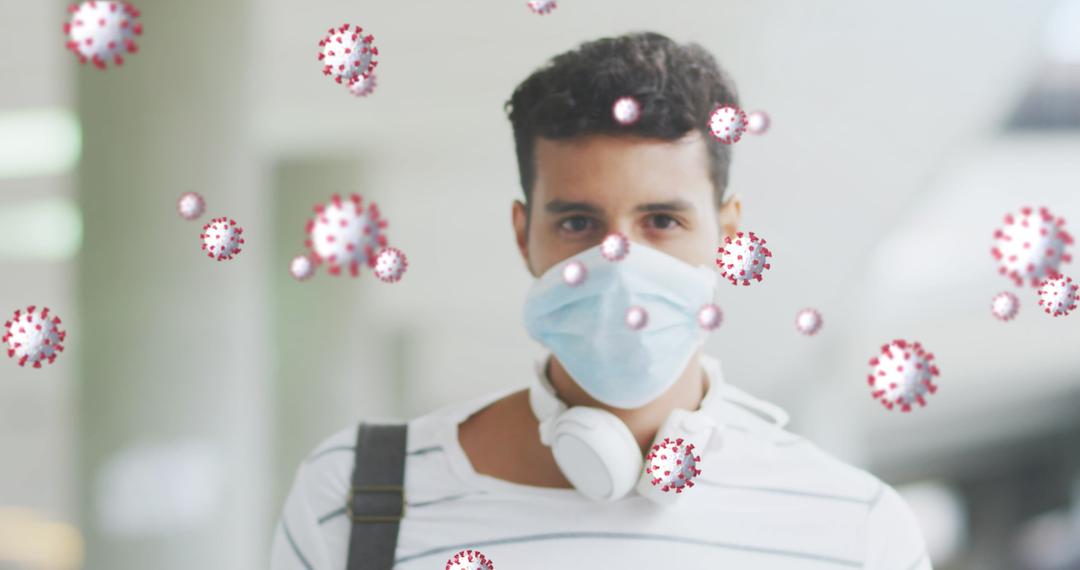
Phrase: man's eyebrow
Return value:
(669, 206)
(558, 206)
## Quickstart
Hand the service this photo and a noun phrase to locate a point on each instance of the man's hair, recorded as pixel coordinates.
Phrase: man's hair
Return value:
(678, 87)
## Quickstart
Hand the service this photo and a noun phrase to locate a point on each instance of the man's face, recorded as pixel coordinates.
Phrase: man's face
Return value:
(655, 192)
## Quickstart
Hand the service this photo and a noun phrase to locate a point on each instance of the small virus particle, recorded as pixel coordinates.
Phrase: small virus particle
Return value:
(743, 258)
(363, 86)
(808, 321)
(542, 6)
(469, 560)
(757, 123)
(301, 267)
(101, 31)
(33, 338)
(615, 247)
(221, 238)
(727, 124)
(709, 317)
(1058, 296)
(902, 375)
(1005, 306)
(190, 205)
(636, 317)
(390, 264)
(345, 233)
(1031, 246)
(347, 54)
(673, 465)
(626, 111)
(574, 273)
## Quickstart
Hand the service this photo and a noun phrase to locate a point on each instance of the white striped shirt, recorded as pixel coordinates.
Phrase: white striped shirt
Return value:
(761, 503)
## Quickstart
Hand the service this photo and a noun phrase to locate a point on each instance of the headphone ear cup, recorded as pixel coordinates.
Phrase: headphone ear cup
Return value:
(596, 452)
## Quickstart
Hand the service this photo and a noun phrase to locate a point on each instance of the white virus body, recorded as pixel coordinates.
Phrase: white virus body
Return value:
(347, 54)
(743, 258)
(709, 317)
(808, 321)
(727, 124)
(469, 560)
(190, 205)
(390, 264)
(757, 123)
(363, 86)
(32, 337)
(221, 238)
(101, 31)
(1031, 245)
(1058, 296)
(1005, 306)
(902, 375)
(673, 465)
(301, 267)
(574, 273)
(637, 318)
(542, 6)
(626, 111)
(615, 247)
(346, 234)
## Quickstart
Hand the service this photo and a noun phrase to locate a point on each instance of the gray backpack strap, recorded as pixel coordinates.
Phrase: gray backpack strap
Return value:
(376, 501)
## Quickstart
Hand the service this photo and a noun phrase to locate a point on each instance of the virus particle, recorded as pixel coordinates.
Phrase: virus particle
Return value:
(301, 267)
(743, 258)
(347, 54)
(757, 123)
(101, 31)
(221, 238)
(1005, 306)
(1058, 296)
(902, 375)
(345, 233)
(190, 205)
(626, 111)
(542, 6)
(636, 318)
(808, 321)
(1031, 246)
(615, 247)
(672, 465)
(469, 560)
(363, 86)
(709, 317)
(33, 338)
(727, 124)
(390, 264)
(574, 273)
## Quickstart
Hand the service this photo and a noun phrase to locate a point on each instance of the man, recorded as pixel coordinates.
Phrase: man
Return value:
(542, 477)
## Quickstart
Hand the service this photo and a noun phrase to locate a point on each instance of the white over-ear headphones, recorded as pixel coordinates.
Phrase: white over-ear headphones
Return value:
(596, 451)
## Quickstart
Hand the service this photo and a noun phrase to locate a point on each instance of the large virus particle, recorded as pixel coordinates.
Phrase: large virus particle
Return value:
(637, 317)
(574, 273)
(1058, 296)
(469, 560)
(1031, 245)
(301, 267)
(221, 238)
(347, 54)
(742, 258)
(626, 111)
(727, 124)
(710, 316)
(757, 122)
(808, 321)
(902, 375)
(542, 6)
(33, 337)
(1005, 306)
(673, 465)
(390, 264)
(346, 234)
(101, 31)
(363, 86)
(190, 205)
(615, 247)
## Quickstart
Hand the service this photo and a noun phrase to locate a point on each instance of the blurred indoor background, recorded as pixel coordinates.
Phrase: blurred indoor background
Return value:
(167, 434)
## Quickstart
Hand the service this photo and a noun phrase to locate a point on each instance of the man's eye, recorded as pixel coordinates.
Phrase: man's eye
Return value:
(662, 221)
(575, 224)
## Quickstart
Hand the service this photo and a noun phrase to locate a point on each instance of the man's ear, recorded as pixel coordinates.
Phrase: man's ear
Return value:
(729, 215)
(520, 219)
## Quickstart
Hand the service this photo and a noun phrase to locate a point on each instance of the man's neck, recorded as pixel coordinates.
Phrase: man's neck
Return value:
(644, 422)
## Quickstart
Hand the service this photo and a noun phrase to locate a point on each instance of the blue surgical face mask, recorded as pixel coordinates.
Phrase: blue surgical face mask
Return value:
(585, 325)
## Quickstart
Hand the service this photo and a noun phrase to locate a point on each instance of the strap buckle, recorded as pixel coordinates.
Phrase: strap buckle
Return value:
(375, 489)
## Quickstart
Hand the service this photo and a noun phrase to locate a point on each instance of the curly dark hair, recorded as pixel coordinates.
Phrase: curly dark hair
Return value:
(678, 87)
